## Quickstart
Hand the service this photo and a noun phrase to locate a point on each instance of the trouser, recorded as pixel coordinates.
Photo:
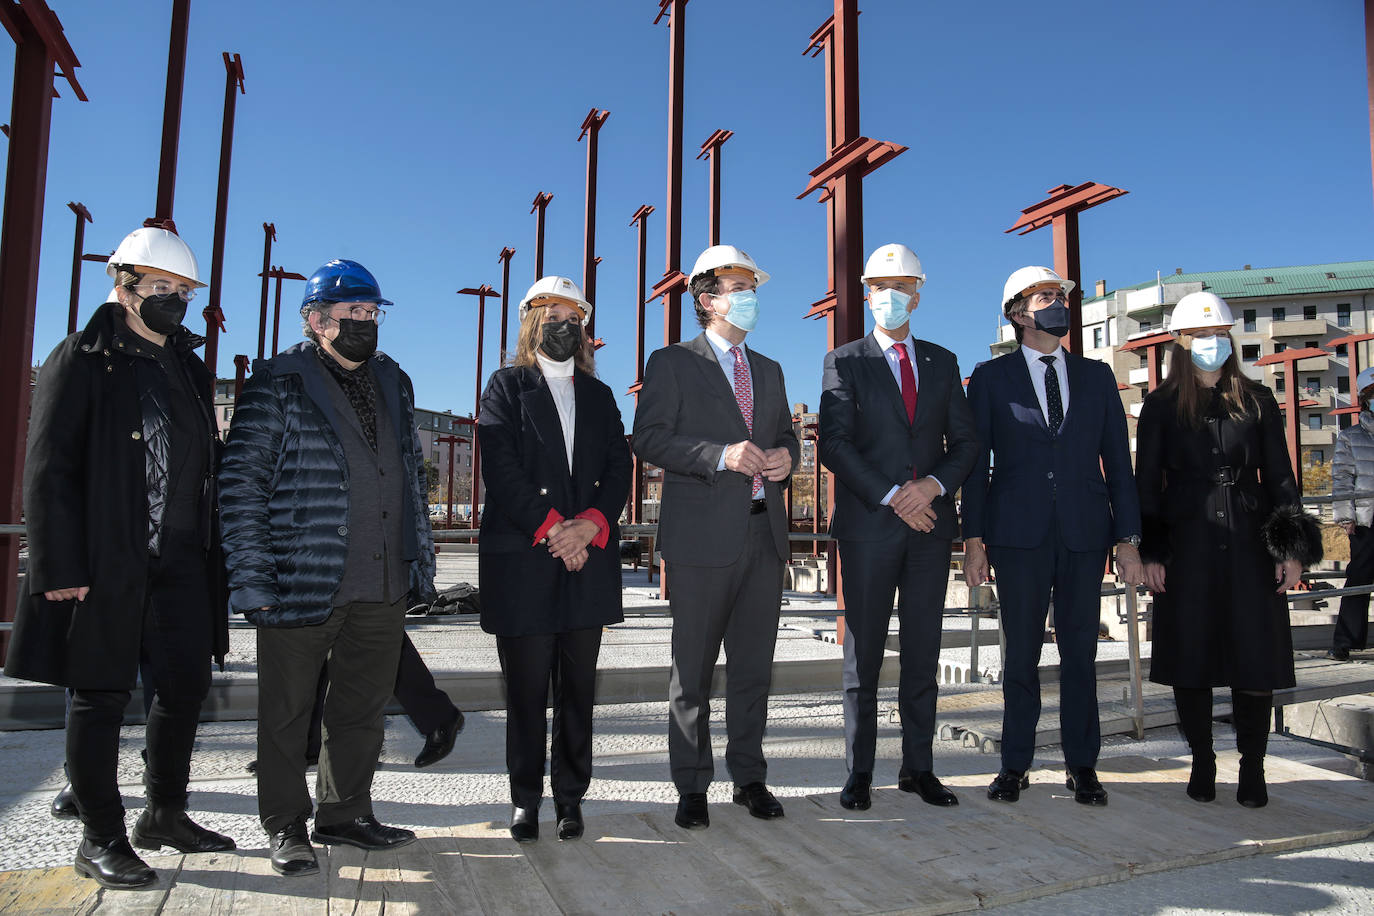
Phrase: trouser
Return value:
(1352, 623)
(1026, 578)
(915, 569)
(177, 642)
(361, 642)
(737, 605)
(529, 666)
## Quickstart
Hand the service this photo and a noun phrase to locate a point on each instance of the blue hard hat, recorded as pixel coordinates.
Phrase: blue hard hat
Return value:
(343, 281)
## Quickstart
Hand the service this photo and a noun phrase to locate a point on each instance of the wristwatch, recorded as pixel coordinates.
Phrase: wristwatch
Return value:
(1133, 540)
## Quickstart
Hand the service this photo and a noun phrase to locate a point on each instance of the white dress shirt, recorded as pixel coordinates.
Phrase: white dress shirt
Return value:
(560, 379)
(1037, 374)
(889, 347)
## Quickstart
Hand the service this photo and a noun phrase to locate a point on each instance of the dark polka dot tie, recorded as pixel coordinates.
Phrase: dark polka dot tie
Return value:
(1054, 401)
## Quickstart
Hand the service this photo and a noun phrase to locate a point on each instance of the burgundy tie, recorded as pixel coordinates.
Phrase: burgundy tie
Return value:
(744, 396)
(908, 381)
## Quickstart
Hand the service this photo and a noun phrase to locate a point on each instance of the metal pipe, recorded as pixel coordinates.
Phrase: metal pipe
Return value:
(214, 315)
(269, 232)
(171, 110)
(591, 129)
(83, 216)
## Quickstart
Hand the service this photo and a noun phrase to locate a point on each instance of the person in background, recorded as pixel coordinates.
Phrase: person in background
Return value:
(1352, 471)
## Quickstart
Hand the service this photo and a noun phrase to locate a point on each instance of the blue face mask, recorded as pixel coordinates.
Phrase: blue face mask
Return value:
(889, 307)
(744, 309)
(1211, 353)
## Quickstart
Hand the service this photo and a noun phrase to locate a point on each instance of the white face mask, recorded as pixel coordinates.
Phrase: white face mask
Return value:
(889, 307)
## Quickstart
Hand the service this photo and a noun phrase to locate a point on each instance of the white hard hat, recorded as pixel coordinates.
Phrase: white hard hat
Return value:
(718, 257)
(156, 248)
(560, 288)
(1026, 277)
(894, 261)
(1364, 379)
(1200, 310)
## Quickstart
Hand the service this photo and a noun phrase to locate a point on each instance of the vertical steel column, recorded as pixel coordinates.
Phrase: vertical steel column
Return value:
(269, 231)
(171, 112)
(39, 48)
(276, 310)
(591, 129)
(673, 282)
(83, 216)
(541, 202)
(214, 315)
(641, 217)
(1068, 266)
(504, 257)
(240, 370)
(450, 441)
(1369, 69)
(481, 292)
(710, 151)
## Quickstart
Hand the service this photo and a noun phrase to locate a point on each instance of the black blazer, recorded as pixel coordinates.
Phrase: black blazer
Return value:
(525, 590)
(870, 447)
(687, 415)
(1081, 477)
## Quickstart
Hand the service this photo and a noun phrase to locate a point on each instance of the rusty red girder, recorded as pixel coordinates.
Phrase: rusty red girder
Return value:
(1353, 365)
(269, 235)
(640, 218)
(541, 203)
(450, 441)
(214, 315)
(279, 274)
(710, 151)
(504, 257)
(240, 371)
(591, 129)
(1369, 69)
(1290, 359)
(171, 115)
(481, 292)
(40, 48)
(83, 216)
(673, 283)
(1060, 210)
(1153, 346)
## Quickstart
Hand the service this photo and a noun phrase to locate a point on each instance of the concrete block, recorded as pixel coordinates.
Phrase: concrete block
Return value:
(1346, 721)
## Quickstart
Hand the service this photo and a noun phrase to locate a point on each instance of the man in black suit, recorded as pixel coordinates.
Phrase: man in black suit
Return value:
(1061, 494)
(897, 434)
(714, 415)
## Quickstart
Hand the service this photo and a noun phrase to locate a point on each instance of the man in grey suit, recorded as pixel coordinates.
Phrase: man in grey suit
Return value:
(714, 415)
(899, 437)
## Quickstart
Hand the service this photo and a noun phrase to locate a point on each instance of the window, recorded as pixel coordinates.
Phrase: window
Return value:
(1316, 456)
(1343, 314)
(1144, 361)
(1310, 344)
(1345, 421)
(1314, 421)
(1309, 313)
(1279, 387)
(1250, 352)
(1341, 350)
(1280, 347)
(1314, 384)
(228, 414)
(1280, 314)
(1249, 319)
(1097, 337)
(1343, 384)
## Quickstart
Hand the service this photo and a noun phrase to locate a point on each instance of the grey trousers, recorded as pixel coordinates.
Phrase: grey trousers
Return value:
(737, 605)
(362, 643)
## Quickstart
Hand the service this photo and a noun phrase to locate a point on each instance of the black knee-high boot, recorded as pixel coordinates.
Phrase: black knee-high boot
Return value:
(1195, 721)
(1253, 713)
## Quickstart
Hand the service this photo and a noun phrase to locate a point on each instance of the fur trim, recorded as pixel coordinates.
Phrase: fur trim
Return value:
(1292, 534)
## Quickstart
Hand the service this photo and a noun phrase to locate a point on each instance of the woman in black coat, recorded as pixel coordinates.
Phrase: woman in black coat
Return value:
(1224, 539)
(557, 472)
(124, 558)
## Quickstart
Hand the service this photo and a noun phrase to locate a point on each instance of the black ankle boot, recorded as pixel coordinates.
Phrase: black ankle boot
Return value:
(1195, 721)
(160, 826)
(1252, 717)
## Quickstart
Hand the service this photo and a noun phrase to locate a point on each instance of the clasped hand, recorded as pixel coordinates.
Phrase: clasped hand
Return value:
(912, 503)
(747, 458)
(568, 540)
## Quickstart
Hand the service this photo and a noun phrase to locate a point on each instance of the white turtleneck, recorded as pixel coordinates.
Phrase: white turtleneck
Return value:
(560, 379)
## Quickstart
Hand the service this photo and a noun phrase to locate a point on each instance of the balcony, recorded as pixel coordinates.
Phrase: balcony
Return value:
(1316, 436)
(1139, 376)
(1311, 329)
(1314, 364)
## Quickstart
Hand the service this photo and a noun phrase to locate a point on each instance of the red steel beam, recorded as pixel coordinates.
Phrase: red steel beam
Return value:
(640, 218)
(450, 441)
(1289, 359)
(710, 151)
(214, 315)
(541, 203)
(504, 257)
(1352, 365)
(279, 274)
(591, 129)
(171, 113)
(83, 216)
(673, 282)
(269, 232)
(1369, 69)
(240, 370)
(481, 292)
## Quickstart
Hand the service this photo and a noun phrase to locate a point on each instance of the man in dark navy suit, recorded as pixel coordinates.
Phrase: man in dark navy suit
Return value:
(1046, 517)
(897, 434)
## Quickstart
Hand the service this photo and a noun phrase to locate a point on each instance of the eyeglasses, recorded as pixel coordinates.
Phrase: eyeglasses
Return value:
(363, 313)
(166, 288)
(1048, 296)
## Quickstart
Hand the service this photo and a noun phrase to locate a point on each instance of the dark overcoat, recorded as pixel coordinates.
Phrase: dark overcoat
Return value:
(1205, 494)
(86, 508)
(525, 590)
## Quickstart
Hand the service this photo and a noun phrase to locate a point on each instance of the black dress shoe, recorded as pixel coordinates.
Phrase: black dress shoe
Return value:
(64, 805)
(569, 818)
(929, 788)
(1008, 785)
(439, 743)
(524, 824)
(113, 864)
(157, 827)
(363, 832)
(855, 795)
(1340, 655)
(1086, 788)
(758, 800)
(291, 852)
(691, 811)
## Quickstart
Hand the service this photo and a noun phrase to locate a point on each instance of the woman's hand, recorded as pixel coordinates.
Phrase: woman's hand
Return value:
(1348, 528)
(576, 561)
(1154, 577)
(67, 594)
(571, 537)
(1287, 575)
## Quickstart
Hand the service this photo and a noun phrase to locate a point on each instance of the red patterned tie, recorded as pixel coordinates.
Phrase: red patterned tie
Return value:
(908, 389)
(744, 396)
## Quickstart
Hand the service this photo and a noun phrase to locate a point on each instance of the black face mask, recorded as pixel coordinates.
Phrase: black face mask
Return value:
(357, 340)
(1053, 320)
(560, 340)
(162, 314)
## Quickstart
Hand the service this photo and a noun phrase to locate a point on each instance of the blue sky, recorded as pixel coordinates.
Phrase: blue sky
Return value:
(412, 137)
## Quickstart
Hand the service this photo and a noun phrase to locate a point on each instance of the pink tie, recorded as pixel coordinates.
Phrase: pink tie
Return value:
(744, 397)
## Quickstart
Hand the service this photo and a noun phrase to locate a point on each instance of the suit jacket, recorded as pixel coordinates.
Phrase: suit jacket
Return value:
(525, 590)
(687, 415)
(867, 442)
(1081, 478)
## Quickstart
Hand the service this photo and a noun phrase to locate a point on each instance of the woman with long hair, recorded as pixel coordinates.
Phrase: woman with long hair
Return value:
(1224, 539)
(557, 472)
